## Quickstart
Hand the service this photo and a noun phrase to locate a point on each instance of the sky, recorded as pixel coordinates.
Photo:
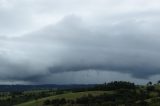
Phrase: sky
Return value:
(79, 41)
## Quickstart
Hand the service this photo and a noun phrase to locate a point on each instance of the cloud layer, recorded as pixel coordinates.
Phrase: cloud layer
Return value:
(117, 38)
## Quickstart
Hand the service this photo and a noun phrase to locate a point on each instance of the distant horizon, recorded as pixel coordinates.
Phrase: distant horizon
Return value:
(71, 84)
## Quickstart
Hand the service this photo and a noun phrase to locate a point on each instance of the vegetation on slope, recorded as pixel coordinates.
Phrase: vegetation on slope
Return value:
(116, 93)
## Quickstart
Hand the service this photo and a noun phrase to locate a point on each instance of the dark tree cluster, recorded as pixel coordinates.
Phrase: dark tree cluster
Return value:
(116, 85)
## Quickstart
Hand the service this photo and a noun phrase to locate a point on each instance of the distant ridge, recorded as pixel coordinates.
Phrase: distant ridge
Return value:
(10, 88)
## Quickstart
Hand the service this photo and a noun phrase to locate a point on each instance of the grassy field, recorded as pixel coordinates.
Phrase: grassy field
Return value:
(39, 102)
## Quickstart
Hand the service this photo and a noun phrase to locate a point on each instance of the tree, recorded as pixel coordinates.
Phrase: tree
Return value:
(158, 82)
(149, 83)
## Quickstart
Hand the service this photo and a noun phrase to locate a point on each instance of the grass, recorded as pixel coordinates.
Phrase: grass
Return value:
(4, 95)
(72, 96)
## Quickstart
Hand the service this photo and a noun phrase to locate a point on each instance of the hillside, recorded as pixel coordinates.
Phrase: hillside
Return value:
(72, 96)
(116, 93)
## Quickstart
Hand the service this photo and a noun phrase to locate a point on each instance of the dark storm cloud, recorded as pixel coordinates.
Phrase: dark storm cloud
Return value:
(102, 39)
(73, 45)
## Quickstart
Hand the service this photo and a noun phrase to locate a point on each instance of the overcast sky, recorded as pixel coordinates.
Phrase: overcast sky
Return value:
(79, 41)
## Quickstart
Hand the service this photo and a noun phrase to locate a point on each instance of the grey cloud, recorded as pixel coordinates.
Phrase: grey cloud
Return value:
(122, 39)
(73, 45)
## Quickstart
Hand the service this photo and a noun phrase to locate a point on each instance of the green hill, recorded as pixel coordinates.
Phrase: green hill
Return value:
(73, 96)
(116, 93)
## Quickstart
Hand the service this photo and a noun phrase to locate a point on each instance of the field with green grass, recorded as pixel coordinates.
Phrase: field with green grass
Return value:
(39, 102)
